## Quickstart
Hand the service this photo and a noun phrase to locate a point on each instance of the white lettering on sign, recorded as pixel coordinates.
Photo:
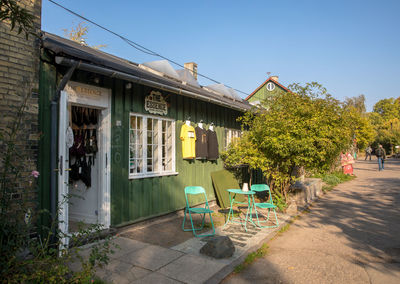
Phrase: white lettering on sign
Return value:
(155, 103)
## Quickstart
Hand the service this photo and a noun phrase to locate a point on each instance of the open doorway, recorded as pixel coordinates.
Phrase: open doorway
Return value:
(84, 176)
(84, 148)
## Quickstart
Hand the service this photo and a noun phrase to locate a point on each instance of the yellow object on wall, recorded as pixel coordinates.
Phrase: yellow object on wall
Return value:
(188, 137)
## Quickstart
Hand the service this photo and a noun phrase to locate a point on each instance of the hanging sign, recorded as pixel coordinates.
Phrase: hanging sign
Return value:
(155, 103)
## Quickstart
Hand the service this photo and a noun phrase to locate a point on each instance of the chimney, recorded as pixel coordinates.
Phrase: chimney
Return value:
(192, 67)
(275, 78)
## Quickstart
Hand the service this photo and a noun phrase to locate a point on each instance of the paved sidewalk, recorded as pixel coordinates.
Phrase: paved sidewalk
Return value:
(144, 262)
(351, 235)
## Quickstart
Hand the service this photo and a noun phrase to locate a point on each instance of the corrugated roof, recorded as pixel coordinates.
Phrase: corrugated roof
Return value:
(64, 47)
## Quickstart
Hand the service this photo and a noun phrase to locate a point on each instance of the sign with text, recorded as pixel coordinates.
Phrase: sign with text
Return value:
(155, 103)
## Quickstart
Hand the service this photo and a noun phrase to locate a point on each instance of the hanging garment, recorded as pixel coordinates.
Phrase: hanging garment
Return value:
(78, 148)
(76, 170)
(69, 137)
(85, 174)
(188, 137)
(93, 116)
(201, 143)
(86, 141)
(77, 116)
(213, 153)
(93, 142)
(86, 116)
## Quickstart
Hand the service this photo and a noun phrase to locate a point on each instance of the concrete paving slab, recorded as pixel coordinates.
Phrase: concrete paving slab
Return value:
(151, 257)
(126, 246)
(121, 272)
(242, 240)
(121, 277)
(162, 234)
(192, 269)
(156, 278)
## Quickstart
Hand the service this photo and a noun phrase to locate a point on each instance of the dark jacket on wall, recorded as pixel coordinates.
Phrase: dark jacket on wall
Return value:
(213, 153)
(201, 143)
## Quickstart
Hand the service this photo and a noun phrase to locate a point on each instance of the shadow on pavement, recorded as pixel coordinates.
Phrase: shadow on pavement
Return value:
(365, 216)
(367, 212)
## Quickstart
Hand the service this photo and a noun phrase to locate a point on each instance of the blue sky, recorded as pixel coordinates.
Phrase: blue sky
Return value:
(351, 47)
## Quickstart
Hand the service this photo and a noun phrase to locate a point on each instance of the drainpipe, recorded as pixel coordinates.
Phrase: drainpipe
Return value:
(53, 140)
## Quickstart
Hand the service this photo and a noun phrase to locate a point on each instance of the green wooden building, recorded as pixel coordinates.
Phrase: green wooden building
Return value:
(267, 89)
(134, 113)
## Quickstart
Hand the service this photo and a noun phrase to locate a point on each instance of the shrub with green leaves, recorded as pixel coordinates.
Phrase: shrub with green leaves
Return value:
(303, 128)
(331, 179)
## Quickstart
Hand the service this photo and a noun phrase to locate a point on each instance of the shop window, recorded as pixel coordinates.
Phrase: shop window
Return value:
(151, 146)
(231, 135)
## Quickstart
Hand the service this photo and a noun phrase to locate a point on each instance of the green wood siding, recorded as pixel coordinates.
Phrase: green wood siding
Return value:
(47, 88)
(262, 94)
(138, 199)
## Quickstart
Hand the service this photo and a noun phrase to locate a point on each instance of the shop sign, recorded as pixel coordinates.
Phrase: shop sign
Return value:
(87, 91)
(85, 94)
(155, 103)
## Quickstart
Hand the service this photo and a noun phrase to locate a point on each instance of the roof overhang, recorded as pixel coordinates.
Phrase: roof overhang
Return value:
(69, 52)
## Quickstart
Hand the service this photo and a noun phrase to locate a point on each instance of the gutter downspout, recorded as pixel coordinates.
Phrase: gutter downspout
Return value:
(53, 140)
(131, 78)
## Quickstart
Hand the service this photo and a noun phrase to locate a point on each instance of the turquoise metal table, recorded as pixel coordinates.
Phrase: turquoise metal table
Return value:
(250, 205)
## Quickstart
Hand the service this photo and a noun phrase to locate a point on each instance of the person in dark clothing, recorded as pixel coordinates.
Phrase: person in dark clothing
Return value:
(381, 155)
(368, 152)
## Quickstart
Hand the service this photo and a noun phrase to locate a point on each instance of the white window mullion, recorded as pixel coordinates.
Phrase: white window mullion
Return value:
(159, 151)
(173, 145)
(144, 160)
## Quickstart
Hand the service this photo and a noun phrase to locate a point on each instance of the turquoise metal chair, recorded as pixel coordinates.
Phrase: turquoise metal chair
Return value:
(195, 190)
(264, 205)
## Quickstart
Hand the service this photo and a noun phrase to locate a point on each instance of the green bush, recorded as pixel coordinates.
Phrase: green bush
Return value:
(334, 178)
(331, 179)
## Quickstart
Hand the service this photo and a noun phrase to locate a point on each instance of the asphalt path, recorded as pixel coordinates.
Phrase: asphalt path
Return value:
(350, 235)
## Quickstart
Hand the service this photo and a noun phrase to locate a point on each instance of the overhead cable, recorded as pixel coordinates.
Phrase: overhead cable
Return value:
(136, 45)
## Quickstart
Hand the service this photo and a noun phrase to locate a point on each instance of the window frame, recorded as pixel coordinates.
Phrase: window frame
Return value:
(160, 172)
(231, 136)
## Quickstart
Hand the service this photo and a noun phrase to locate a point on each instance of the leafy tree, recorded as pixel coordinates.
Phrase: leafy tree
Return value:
(19, 17)
(356, 102)
(79, 34)
(375, 119)
(385, 118)
(388, 108)
(359, 122)
(306, 127)
(388, 134)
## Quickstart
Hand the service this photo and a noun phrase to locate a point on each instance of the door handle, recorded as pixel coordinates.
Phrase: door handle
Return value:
(61, 165)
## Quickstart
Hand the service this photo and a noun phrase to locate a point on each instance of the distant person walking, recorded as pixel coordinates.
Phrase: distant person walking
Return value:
(381, 155)
(368, 152)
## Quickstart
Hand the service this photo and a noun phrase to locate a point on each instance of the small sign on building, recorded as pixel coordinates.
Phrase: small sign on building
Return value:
(155, 103)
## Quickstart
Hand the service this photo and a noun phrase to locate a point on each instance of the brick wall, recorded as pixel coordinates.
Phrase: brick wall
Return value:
(19, 77)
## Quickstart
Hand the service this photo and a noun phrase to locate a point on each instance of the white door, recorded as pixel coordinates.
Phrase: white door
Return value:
(63, 166)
